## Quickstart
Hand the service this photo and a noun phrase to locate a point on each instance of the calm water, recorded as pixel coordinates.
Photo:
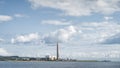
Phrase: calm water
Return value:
(59, 64)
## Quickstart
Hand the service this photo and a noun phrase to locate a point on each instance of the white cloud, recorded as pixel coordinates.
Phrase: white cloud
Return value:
(84, 33)
(67, 33)
(2, 40)
(113, 40)
(98, 31)
(79, 7)
(25, 38)
(4, 18)
(108, 18)
(20, 15)
(55, 22)
(61, 35)
(98, 54)
(3, 52)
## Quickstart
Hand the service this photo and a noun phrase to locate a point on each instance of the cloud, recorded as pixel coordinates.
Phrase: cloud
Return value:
(61, 35)
(20, 15)
(96, 32)
(83, 33)
(78, 7)
(92, 51)
(108, 18)
(30, 38)
(97, 54)
(5, 18)
(3, 52)
(113, 40)
(55, 22)
(1, 40)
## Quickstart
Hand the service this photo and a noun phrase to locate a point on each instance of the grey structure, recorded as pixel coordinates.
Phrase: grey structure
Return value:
(57, 55)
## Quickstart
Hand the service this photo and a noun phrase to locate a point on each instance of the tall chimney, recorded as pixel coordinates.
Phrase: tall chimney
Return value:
(57, 51)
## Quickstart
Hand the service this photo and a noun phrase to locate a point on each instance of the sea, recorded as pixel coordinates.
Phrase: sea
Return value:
(48, 64)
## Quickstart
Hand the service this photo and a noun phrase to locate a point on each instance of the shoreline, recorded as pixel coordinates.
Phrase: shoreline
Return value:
(58, 61)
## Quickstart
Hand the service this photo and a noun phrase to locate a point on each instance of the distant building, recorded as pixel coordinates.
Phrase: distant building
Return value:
(25, 58)
(47, 57)
(50, 58)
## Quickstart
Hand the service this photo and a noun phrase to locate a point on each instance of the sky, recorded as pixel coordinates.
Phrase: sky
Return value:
(84, 29)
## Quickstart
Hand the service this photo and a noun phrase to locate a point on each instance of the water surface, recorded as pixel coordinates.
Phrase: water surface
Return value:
(6, 64)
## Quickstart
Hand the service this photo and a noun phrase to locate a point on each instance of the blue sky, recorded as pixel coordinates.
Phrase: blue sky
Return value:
(84, 29)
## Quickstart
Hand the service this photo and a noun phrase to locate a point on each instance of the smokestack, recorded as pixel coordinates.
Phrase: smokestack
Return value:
(57, 51)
